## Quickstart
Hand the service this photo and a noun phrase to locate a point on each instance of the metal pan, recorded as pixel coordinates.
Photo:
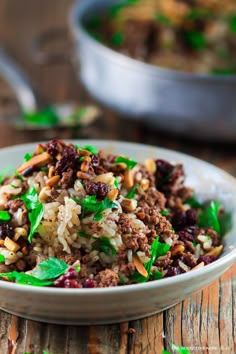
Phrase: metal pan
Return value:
(202, 106)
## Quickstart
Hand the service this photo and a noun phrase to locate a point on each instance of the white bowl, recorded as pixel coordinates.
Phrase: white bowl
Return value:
(129, 302)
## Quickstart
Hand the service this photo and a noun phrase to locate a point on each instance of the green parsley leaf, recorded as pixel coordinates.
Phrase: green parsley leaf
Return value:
(50, 268)
(132, 192)
(19, 176)
(223, 71)
(232, 23)
(198, 14)
(28, 156)
(116, 183)
(209, 217)
(2, 258)
(35, 217)
(91, 205)
(160, 18)
(45, 117)
(121, 279)
(106, 246)
(117, 39)
(196, 40)
(44, 169)
(180, 350)
(157, 249)
(13, 186)
(4, 173)
(193, 202)
(25, 279)
(164, 212)
(4, 215)
(130, 163)
(30, 198)
(165, 352)
(83, 234)
(157, 275)
(89, 148)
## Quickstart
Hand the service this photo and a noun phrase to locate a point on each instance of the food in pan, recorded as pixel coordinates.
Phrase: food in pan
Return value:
(192, 36)
(75, 217)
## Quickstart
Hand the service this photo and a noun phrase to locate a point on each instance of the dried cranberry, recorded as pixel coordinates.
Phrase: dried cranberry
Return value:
(52, 147)
(178, 220)
(164, 169)
(69, 160)
(191, 217)
(99, 189)
(89, 283)
(68, 280)
(206, 259)
(95, 160)
(181, 219)
(6, 230)
(172, 271)
(185, 236)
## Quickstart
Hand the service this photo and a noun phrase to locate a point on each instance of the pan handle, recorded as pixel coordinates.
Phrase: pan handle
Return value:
(18, 82)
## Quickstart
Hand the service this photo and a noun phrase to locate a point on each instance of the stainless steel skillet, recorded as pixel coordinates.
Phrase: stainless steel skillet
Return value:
(202, 106)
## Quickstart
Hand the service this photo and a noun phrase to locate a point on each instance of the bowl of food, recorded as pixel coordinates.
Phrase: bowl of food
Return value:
(101, 231)
(168, 62)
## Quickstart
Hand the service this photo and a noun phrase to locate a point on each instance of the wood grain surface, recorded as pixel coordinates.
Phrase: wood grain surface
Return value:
(206, 322)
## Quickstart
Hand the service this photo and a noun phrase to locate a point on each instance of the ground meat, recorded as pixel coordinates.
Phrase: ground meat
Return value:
(107, 278)
(189, 260)
(215, 238)
(126, 269)
(67, 179)
(15, 204)
(164, 261)
(136, 242)
(124, 225)
(70, 259)
(152, 198)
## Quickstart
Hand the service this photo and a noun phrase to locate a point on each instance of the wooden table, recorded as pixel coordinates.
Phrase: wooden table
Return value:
(210, 330)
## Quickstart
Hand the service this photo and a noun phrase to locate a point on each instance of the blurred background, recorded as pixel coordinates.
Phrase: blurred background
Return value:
(36, 36)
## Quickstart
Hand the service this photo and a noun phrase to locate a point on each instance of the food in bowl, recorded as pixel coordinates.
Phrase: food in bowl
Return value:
(192, 36)
(75, 217)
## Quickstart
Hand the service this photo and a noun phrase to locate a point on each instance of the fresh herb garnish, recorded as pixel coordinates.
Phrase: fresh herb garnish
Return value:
(209, 217)
(13, 186)
(91, 205)
(83, 234)
(196, 40)
(45, 117)
(130, 163)
(50, 268)
(132, 192)
(2, 258)
(36, 210)
(4, 215)
(117, 39)
(121, 279)
(160, 18)
(25, 279)
(19, 176)
(157, 249)
(232, 23)
(28, 156)
(44, 169)
(106, 246)
(89, 148)
(193, 202)
(164, 212)
(4, 173)
(116, 184)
